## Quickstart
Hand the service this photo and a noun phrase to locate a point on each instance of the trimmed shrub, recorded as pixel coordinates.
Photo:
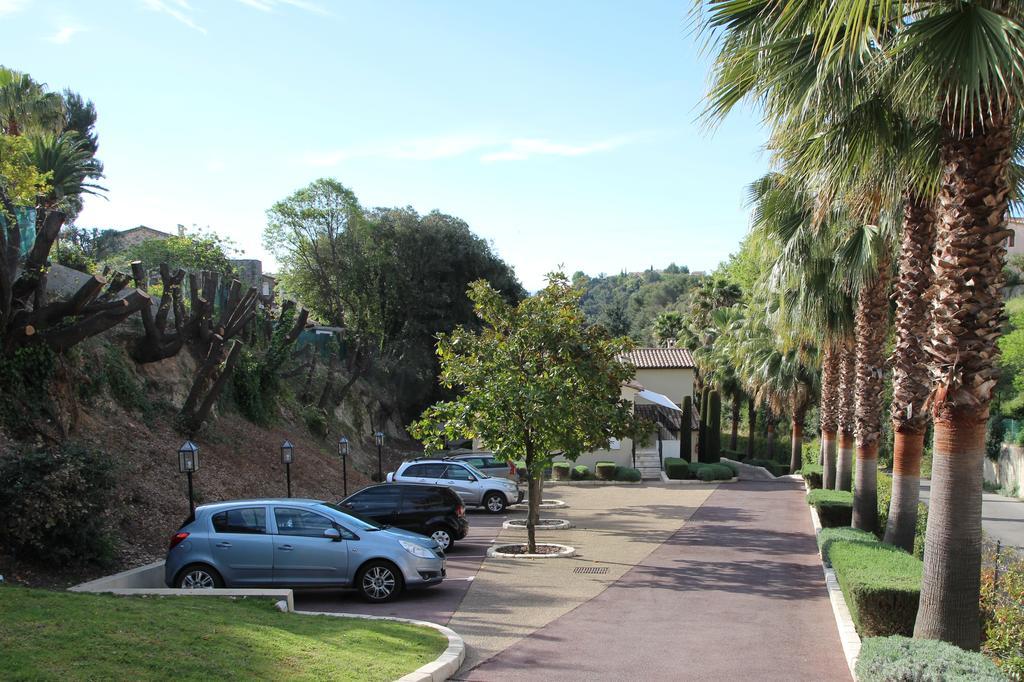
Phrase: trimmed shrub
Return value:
(627, 474)
(677, 469)
(834, 507)
(732, 467)
(773, 467)
(580, 473)
(882, 586)
(605, 471)
(884, 500)
(713, 472)
(829, 536)
(560, 471)
(55, 505)
(813, 479)
(883, 659)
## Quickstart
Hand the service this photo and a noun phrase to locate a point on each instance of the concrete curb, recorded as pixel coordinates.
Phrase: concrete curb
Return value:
(564, 553)
(848, 636)
(514, 524)
(544, 504)
(693, 481)
(438, 670)
(552, 484)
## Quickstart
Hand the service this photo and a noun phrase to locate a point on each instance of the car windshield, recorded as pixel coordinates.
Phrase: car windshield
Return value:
(358, 521)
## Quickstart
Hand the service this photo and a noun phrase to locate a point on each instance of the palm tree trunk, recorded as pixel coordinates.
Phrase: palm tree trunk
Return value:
(910, 370)
(871, 325)
(847, 378)
(796, 445)
(967, 308)
(770, 436)
(829, 412)
(751, 426)
(737, 397)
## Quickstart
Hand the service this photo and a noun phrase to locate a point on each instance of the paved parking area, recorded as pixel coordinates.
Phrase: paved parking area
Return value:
(435, 604)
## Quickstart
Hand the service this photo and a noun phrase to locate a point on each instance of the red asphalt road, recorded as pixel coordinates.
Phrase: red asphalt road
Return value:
(435, 604)
(736, 594)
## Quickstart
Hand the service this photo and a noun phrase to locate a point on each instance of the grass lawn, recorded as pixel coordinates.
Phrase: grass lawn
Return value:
(48, 635)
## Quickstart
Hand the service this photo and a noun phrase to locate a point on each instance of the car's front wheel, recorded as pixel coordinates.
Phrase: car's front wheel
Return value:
(198, 577)
(379, 581)
(495, 502)
(443, 537)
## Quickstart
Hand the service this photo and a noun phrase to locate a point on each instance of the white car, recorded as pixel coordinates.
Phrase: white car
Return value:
(476, 488)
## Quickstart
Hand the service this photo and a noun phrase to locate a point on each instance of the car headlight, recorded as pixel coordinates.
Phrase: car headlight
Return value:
(417, 550)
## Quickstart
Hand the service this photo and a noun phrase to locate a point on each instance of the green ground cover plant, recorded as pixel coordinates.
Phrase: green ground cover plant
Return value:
(48, 635)
(834, 507)
(627, 474)
(882, 586)
(884, 659)
(1002, 609)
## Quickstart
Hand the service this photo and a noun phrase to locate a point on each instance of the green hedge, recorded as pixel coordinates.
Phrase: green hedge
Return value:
(676, 468)
(774, 468)
(605, 470)
(883, 659)
(627, 474)
(881, 584)
(560, 471)
(711, 472)
(829, 536)
(834, 507)
(812, 473)
(580, 473)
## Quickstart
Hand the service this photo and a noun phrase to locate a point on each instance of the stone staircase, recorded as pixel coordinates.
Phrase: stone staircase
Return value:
(649, 465)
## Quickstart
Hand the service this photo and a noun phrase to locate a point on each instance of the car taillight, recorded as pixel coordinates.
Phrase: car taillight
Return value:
(460, 510)
(176, 540)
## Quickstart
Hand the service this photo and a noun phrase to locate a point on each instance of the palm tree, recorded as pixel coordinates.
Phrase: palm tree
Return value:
(26, 106)
(68, 159)
(960, 63)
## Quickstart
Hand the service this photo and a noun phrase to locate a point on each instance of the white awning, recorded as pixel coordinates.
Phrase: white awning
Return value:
(658, 399)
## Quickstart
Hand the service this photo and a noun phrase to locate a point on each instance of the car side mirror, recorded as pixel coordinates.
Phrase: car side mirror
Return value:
(333, 533)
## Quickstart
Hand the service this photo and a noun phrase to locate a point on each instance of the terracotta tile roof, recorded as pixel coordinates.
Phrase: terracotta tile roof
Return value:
(661, 358)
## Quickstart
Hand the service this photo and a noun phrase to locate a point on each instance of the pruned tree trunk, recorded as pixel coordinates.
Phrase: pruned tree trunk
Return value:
(847, 386)
(325, 395)
(910, 380)
(829, 414)
(796, 440)
(967, 313)
(871, 324)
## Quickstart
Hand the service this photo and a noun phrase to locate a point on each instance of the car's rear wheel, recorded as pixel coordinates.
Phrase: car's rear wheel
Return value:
(443, 537)
(379, 581)
(495, 502)
(198, 577)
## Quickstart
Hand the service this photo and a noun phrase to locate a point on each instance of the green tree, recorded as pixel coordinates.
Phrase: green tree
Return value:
(190, 252)
(535, 383)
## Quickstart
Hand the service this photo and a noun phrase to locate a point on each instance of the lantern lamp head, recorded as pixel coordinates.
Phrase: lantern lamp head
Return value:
(379, 437)
(188, 457)
(343, 446)
(287, 452)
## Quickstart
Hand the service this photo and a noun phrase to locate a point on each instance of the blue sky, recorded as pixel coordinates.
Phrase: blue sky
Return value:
(564, 131)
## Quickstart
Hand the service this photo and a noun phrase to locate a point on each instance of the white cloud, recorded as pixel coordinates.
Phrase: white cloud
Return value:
(179, 10)
(64, 34)
(490, 148)
(12, 6)
(270, 5)
(525, 148)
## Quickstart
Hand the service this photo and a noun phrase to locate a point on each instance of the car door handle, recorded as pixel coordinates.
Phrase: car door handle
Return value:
(285, 548)
(223, 545)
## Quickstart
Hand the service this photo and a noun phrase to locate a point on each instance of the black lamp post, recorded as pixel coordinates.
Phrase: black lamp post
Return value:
(188, 464)
(379, 437)
(343, 453)
(287, 452)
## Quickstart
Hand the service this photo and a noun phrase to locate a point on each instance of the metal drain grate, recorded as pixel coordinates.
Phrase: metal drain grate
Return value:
(591, 570)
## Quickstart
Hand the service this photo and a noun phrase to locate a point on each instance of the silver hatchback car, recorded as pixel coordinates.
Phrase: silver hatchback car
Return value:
(298, 543)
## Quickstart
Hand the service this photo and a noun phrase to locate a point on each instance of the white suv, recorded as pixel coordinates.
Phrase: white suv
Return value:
(474, 486)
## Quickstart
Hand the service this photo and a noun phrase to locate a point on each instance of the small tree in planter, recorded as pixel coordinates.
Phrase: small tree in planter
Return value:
(536, 383)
